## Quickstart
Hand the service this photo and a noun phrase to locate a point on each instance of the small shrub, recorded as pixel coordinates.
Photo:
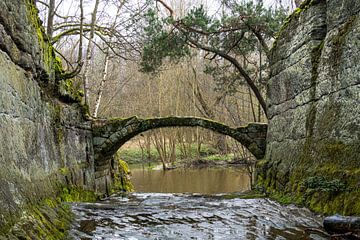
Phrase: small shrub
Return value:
(319, 183)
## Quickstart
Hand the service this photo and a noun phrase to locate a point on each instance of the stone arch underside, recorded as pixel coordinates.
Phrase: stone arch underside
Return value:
(110, 135)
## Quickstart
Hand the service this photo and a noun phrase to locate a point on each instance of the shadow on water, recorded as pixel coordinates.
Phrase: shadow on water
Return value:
(202, 215)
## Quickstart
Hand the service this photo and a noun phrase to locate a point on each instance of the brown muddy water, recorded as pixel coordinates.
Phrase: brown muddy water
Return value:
(192, 204)
(206, 180)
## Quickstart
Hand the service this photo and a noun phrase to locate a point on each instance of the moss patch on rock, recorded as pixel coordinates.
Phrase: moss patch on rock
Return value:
(76, 194)
(53, 77)
(294, 15)
(322, 180)
(68, 91)
(49, 219)
(121, 176)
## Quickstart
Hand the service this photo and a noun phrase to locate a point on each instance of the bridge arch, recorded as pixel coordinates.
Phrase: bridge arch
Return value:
(110, 135)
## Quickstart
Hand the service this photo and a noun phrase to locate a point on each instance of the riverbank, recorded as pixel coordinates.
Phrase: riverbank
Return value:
(207, 156)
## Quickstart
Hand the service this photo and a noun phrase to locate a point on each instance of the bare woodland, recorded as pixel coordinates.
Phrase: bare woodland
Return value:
(100, 43)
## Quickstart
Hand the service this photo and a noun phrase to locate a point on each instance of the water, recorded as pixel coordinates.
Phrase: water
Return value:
(199, 180)
(142, 215)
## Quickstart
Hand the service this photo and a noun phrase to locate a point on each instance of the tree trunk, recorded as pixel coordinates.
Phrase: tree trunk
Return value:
(106, 65)
(148, 147)
(238, 67)
(89, 53)
(252, 106)
(50, 20)
(79, 60)
(102, 84)
(298, 3)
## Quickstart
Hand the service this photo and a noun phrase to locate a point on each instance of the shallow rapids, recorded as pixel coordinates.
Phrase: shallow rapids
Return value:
(192, 216)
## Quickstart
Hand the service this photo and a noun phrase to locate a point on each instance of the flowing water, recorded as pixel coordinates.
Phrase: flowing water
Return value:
(154, 213)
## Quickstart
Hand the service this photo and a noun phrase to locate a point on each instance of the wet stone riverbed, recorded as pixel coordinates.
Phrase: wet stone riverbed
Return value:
(196, 203)
(192, 216)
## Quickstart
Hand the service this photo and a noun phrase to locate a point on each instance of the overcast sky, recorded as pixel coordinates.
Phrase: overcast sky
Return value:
(69, 6)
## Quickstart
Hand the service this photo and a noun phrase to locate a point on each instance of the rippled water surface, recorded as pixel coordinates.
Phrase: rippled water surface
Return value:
(154, 215)
(189, 216)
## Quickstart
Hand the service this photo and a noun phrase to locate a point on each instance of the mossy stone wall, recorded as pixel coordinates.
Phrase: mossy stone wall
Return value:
(45, 142)
(314, 109)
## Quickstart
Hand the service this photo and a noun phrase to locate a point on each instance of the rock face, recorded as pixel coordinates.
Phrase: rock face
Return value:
(45, 144)
(314, 108)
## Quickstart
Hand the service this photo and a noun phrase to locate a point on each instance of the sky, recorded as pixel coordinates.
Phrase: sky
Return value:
(69, 7)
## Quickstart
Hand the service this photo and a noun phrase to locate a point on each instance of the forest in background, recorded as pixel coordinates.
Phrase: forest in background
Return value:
(160, 58)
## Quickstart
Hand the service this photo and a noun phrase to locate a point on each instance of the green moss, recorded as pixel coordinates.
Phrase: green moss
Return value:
(68, 91)
(58, 68)
(64, 171)
(327, 195)
(52, 63)
(49, 219)
(345, 203)
(53, 74)
(85, 110)
(325, 178)
(76, 194)
(48, 53)
(121, 177)
(294, 15)
(282, 198)
(320, 183)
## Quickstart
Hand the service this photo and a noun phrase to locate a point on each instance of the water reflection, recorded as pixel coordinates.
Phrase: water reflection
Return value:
(199, 180)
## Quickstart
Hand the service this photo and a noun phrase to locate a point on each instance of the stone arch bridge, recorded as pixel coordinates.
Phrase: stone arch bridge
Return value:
(110, 135)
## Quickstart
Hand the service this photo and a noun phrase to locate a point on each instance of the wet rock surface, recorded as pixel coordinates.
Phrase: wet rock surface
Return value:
(337, 224)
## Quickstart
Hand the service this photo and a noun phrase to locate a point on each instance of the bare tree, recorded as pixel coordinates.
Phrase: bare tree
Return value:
(105, 70)
(50, 22)
(89, 53)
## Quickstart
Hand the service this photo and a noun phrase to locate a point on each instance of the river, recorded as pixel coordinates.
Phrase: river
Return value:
(192, 204)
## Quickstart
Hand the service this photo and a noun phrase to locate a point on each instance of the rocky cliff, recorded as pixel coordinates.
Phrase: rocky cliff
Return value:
(313, 143)
(45, 143)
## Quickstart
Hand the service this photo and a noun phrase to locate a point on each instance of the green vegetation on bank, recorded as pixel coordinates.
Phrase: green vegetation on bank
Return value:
(207, 154)
(136, 155)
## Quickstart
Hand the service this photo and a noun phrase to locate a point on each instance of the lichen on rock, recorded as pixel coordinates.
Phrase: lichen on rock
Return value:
(313, 94)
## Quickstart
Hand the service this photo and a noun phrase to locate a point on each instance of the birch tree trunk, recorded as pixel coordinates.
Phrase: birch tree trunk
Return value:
(102, 84)
(106, 66)
(89, 53)
(81, 35)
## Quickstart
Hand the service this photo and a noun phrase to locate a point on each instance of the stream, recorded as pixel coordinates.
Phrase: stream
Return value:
(192, 204)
